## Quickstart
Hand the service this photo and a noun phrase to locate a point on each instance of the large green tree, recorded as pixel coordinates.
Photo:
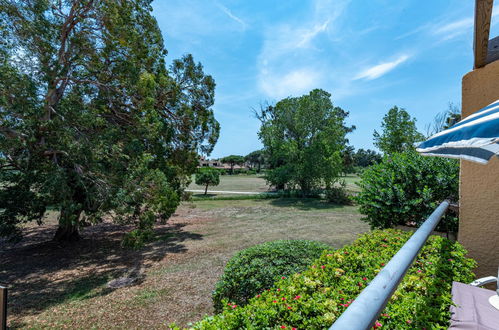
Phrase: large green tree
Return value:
(399, 132)
(256, 159)
(304, 138)
(91, 118)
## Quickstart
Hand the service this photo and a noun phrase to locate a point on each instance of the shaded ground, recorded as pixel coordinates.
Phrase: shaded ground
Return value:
(64, 286)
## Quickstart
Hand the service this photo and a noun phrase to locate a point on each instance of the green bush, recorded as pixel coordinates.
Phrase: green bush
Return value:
(256, 268)
(338, 195)
(405, 188)
(315, 298)
(137, 238)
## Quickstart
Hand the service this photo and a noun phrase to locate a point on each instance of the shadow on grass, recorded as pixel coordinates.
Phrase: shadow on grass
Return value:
(41, 273)
(305, 204)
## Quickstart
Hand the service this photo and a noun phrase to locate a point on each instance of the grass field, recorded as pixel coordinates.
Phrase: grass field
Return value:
(56, 286)
(257, 184)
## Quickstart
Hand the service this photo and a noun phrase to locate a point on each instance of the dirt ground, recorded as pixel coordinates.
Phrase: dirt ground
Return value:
(64, 286)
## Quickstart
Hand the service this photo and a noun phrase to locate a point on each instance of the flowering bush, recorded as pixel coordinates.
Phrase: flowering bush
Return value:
(315, 298)
(258, 267)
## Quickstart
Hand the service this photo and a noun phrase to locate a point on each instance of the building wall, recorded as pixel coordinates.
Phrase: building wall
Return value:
(479, 184)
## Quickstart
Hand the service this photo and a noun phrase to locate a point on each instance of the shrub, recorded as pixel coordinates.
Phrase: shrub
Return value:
(405, 188)
(137, 238)
(338, 195)
(315, 298)
(257, 268)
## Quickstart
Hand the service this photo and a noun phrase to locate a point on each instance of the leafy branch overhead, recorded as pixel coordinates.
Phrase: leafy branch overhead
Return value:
(91, 118)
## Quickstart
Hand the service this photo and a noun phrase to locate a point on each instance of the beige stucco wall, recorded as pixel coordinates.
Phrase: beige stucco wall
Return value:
(479, 184)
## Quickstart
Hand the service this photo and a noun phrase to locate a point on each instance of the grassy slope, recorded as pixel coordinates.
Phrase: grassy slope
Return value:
(181, 268)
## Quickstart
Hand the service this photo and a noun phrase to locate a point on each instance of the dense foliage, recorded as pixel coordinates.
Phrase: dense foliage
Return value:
(207, 177)
(256, 159)
(256, 269)
(91, 119)
(399, 132)
(233, 160)
(304, 138)
(315, 298)
(365, 158)
(405, 188)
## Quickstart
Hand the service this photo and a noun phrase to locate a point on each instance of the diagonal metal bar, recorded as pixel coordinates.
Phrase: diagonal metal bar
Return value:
(365, 309)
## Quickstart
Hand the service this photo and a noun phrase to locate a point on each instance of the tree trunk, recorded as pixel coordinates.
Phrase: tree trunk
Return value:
(67, 233)
(68, 230)
(206, 190)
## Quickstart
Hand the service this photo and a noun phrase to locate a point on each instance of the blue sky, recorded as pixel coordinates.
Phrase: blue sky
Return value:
(370, 55)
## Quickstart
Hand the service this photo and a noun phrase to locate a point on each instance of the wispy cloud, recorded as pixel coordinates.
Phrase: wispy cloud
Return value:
(292, 83)
(229, 13)
(379, 70)
(446, 29)
(289, 63)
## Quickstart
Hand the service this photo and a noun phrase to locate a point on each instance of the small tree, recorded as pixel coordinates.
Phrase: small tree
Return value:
(207, 177)
(399, 132)
(233, 160)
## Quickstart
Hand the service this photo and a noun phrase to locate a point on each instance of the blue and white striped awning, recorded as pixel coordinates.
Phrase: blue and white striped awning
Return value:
(475, 138)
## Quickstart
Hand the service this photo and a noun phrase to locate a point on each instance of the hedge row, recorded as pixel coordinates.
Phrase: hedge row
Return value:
(315, 298)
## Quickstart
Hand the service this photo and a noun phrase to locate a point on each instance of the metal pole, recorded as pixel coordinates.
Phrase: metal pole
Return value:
(3, 308)
(365, 309)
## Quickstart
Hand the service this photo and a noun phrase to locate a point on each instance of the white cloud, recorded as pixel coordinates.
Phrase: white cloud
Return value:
(294, 83)
(381, 69)
(288, 62)
(229, 13)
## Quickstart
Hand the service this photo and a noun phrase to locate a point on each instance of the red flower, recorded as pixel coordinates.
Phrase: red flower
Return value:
(342, 298)
(283, 277)
(323, 266)
(258, 295)
(283, 327)
(409, 321)
(364, 278)
(234, 306)
(278, 290)
(450, 259)
(294, 329)
(382, 264)
(297, 297)
(359, 284)
(385, 315)
(289, 307)
(419, 270)
(377, 325)
(283, 298)
(275, 301)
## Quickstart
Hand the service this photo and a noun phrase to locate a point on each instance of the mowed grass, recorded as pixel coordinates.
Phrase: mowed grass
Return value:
(242, 182)
(180, 268)
(258, 184)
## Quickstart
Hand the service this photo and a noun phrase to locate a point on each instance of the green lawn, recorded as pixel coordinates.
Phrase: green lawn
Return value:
(57, 288)
(252, 183)
(257, 184)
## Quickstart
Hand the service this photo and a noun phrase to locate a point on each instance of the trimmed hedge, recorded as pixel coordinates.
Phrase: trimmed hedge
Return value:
(257, 268)
(315, 298)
